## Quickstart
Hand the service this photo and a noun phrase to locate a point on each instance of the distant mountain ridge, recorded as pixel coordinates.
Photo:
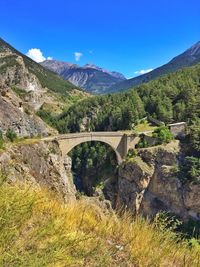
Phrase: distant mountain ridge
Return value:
(89, 77)
(188, 58)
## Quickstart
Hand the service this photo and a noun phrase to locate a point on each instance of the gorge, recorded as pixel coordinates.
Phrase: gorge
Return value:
(111, 155)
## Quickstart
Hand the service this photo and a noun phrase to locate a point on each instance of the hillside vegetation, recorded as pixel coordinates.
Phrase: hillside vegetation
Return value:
(37, 230)
(174, 97)
(99, 113)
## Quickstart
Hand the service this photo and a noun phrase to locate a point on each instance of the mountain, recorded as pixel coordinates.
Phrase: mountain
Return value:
(89, 77)
(112, 73)
(190, 57)
(174, 97)
(25, 87)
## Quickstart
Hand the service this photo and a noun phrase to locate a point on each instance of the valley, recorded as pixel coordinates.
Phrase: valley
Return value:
(111, 159)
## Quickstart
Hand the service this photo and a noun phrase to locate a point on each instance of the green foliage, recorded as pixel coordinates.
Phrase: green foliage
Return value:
(11, 135)
(93, 162)
(194, 136)
(190, 170)
(48, 117)
(1, 140)
(20, 92)
(143, 142)
(102, 113)
(191, 229)
(163, 135)
(173, 97)
(167, 222)
(131, 153)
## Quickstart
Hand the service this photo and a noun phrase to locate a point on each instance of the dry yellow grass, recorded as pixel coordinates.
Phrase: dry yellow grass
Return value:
(37, 230)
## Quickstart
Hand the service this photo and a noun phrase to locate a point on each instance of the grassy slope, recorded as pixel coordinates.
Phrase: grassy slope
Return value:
(37, 230)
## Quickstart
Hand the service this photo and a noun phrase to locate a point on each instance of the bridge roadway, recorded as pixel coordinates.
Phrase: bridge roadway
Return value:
(119, 141)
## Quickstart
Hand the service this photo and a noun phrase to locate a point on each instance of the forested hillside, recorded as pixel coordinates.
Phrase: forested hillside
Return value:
(174, 97)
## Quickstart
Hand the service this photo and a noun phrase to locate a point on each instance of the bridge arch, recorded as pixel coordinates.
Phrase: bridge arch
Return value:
(118, 141)
(118, 156)
(67, 145)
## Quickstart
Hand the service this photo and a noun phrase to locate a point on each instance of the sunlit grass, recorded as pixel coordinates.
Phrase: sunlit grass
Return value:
(145, 127)
(38, 230)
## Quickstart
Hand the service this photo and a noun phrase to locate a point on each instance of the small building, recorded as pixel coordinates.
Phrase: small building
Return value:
(178, 129)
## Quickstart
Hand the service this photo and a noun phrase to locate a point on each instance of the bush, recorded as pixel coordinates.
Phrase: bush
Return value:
(191, 169)
(143, 142)
(131, 153)
(1, 140)
(163, 135)
(11, 135)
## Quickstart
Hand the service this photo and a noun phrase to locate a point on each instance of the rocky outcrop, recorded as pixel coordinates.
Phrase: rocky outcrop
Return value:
(19, 117)
(39, 164)
(17, 75)
(148, 184)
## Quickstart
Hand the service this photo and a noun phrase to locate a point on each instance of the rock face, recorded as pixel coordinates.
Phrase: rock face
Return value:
(25, 87)
(89, 77)
(18, 117)
(148, 184)
(39, 164)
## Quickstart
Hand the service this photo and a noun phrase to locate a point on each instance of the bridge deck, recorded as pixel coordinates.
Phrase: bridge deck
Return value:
(86, 134)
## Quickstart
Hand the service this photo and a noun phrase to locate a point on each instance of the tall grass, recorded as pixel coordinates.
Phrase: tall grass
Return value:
(38, 230)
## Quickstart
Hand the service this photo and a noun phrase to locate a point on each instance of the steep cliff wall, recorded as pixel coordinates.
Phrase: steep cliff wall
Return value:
(38, 164)
(148, 184)
(19, 117)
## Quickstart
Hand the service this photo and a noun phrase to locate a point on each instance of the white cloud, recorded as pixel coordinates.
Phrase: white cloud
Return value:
(140, 72)
(35, 54)
(78, 55)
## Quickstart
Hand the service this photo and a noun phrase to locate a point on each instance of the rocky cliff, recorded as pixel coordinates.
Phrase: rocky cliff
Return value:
(19, 116)
(25, 87)
(38, 163)
(148, 183)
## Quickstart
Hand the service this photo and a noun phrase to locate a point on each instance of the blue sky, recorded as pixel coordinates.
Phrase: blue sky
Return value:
(122, 35)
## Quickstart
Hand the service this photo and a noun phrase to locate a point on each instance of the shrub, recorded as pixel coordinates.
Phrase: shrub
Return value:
(131, 153)
(143, 142)
(11, 135)
(191, 169)
(1, 140)
(163, 135)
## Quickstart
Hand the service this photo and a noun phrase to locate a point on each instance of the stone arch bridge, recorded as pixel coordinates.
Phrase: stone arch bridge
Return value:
(119, 142)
